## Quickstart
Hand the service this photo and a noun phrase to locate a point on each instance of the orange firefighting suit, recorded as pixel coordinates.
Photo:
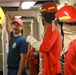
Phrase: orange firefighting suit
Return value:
(51, 48)
(70, 60)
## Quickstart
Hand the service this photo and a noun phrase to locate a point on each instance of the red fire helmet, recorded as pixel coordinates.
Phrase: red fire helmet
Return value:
(66, 14)
(48, 7)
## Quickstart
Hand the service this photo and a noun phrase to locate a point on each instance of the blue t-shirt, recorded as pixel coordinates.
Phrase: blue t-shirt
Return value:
(17, 46)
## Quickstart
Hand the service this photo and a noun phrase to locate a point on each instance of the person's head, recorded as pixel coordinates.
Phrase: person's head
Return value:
(17, 25)
(66, 14)
(48, 11)
(1, 17)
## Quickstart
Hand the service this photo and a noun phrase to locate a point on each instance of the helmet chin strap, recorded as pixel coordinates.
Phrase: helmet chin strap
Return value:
(53, 25)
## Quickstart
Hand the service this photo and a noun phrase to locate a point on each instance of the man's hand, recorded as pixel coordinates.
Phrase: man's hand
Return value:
(7, 16)
(8, 23)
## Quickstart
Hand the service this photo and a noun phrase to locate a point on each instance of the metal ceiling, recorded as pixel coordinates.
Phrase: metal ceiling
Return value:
(11, 5)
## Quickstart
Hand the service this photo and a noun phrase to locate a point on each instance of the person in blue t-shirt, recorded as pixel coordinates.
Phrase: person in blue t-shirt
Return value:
(17, 47)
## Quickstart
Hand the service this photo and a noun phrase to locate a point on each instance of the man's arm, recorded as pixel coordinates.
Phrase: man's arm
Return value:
(22, 63)
(8, 23)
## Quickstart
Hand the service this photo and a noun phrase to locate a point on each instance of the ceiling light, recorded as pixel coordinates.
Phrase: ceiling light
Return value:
(27, 5)
(17, 16)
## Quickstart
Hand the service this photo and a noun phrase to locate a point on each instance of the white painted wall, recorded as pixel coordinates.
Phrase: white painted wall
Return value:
(68, 2)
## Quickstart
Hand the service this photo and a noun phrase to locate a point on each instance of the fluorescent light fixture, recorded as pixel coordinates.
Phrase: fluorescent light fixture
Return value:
(27, 5)
(17, 16)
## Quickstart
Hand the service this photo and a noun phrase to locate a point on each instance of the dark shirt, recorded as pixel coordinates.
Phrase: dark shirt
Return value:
(17, 46)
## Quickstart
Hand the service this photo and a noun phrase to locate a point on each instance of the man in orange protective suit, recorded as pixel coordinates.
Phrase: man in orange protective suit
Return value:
(51, 45)
(67, 16)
